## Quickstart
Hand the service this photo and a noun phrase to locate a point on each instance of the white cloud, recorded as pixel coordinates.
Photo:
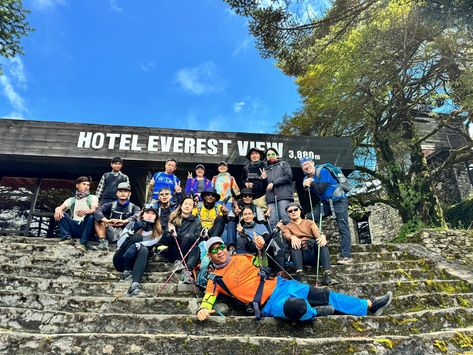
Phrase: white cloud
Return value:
(14, 98)
(237, 106)
(201, 79)
(241, 46)
(148, 66)
(12, 80)
(46, 4)
(114, 6)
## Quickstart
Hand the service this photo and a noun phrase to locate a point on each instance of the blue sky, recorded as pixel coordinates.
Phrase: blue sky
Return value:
(169, 63)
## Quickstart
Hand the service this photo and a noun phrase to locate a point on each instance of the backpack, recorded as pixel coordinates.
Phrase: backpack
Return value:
(114, 207)
(73, 204)
(337, 174)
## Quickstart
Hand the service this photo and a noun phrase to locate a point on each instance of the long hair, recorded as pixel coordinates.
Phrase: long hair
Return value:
(157, 228)
(176, 216)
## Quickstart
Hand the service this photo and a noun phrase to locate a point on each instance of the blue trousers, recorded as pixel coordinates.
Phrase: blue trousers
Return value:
(340, 208)
(309, 297)
(70, 228)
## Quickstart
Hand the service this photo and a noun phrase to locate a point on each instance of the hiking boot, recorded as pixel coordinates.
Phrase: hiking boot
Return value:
(103, 245)
(178, 265)
(134, 289)
(379, 304)
(186, 277)
(327, 279)
(127, 275)
(323, 311)
(345, 261)
(301, 277)
(67, 240)
(81, 247)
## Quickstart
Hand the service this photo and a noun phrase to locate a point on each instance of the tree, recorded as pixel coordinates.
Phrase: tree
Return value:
(365, 69)
(13, 27)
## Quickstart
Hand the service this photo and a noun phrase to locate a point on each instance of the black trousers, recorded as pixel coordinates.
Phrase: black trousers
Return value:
(307, 255)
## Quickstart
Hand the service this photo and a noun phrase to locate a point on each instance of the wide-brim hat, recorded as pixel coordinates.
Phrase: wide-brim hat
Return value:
(210, 191)
(251, 150)
(246, 191)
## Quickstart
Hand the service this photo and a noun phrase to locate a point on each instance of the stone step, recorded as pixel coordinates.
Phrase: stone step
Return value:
(335, 248)
(78, 262)
(104, 263)
(451, 341)
(87, 288)
(55, 272)
(47, 322)
(69, 287)
(189, 304)
(20, 249)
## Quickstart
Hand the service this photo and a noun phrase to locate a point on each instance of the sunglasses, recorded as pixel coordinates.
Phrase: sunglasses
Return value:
(247, 196)
(293, 210)
(217, 249)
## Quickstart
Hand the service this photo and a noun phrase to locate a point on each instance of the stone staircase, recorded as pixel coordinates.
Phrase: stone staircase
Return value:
(55, 299)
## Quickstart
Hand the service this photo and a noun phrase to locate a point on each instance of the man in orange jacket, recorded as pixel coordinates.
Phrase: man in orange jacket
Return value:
(238, 277)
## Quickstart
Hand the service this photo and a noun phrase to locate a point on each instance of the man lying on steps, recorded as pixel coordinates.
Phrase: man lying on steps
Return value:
(238, 277)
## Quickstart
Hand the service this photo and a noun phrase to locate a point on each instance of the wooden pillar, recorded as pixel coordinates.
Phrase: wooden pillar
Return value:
(32, 207)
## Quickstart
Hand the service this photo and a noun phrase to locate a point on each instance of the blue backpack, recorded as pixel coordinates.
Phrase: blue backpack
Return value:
(337, 174)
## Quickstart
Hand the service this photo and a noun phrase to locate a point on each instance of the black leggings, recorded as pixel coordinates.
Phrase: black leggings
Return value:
(308, 256)
(295, 308)
(138, 264)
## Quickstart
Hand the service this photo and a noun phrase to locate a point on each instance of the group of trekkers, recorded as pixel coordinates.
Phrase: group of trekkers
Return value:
(227, 241)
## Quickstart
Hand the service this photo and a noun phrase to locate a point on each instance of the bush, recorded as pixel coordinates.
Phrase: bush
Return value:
(460, 215)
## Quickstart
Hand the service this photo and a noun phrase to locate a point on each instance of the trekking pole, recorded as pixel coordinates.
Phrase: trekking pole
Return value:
(174, 234)
(320, 232)
(266, 252)
(185, 256)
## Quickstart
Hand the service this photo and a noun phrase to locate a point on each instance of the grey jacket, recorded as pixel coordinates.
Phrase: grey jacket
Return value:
(280, 174)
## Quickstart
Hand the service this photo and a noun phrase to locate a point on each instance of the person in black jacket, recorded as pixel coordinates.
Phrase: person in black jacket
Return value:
(280, 188)
(251, 177)
(112, 217)
(135, 247)
(184, 229)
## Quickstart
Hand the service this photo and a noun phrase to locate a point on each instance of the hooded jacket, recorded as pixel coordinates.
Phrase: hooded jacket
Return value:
(280, 175)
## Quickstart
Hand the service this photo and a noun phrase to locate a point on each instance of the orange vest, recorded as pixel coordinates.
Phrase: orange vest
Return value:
(242, 279)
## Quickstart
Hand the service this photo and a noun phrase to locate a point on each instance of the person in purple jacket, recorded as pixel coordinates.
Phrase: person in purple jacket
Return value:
(195, 185)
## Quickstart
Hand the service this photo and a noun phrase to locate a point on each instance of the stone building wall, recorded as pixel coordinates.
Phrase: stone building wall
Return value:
(384, 222)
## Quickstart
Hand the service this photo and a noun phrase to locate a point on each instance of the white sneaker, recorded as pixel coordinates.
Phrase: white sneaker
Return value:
(178, 265)
(345, 261)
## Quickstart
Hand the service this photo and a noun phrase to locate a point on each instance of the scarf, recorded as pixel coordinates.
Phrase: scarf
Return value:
(225, 263)
(80, 195)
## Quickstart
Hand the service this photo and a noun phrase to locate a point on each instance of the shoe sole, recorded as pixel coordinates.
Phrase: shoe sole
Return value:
(381, 309)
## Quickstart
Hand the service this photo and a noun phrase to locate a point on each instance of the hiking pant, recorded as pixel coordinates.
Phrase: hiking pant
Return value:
(278, 212)
(340, 208)
(217, 228)
(137, 262)
(308, 256)
(229, 235)
(245, 246)
(295, 300)
(185, 243)
(70, 228)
